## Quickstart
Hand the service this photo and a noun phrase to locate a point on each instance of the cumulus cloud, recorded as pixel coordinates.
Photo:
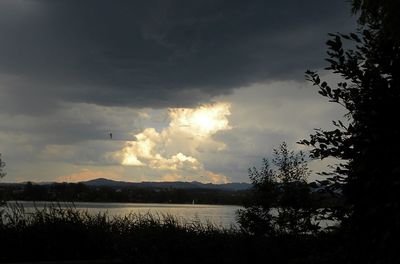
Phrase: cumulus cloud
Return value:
(188, 129)
(71, 72)
(210, 143)
(202, 121)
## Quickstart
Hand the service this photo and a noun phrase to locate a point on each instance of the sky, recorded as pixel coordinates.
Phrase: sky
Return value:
(189, 90)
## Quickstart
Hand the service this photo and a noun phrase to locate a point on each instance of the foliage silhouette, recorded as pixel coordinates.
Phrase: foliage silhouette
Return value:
(79, 192)
(282, 201)
(2, 174)
(2, 165)
(368, 144)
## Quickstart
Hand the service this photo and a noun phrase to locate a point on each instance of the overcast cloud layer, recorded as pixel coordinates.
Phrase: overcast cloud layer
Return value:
(72, 71)
(155, 53)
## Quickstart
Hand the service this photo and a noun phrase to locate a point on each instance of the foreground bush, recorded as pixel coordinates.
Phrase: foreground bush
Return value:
(281, 201)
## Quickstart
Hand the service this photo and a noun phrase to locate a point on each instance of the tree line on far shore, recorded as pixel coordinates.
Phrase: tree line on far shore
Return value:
(79, 192)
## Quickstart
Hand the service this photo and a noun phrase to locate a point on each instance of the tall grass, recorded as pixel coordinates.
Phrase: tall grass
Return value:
(14, 216)
(62, 232)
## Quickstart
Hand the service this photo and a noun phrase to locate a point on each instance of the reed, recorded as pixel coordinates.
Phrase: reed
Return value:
(61, 232)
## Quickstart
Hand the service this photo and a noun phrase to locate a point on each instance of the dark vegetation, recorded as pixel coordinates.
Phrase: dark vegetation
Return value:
(232, 186)
(2, 174)
(79, 192)
(55, 234)
(278, 222)
(282, 202)
(368, 143)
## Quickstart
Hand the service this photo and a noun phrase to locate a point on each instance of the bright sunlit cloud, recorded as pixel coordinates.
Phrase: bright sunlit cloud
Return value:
(202, 121)
(174, 148)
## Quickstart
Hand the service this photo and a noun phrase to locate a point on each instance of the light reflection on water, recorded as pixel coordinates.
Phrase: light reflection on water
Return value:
(222, 215)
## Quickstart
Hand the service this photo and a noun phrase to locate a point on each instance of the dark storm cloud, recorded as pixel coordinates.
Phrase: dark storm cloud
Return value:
(155, 53)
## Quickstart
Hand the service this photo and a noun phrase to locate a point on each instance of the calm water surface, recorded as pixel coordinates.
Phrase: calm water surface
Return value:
(223, 215)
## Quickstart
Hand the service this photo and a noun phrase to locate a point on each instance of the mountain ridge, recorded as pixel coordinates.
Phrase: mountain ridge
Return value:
(104, 182)
(170, 184)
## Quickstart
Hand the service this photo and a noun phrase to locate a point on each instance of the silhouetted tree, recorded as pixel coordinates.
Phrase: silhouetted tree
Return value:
(2, 165)
(2, 174)
(281, 202)
(369, 143)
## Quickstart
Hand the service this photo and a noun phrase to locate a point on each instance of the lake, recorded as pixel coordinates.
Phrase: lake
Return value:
(222, 215)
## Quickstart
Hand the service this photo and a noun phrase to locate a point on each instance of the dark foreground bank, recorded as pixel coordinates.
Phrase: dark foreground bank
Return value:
(56, 234)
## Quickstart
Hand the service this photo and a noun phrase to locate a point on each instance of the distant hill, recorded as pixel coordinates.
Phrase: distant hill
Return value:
(176, 185)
